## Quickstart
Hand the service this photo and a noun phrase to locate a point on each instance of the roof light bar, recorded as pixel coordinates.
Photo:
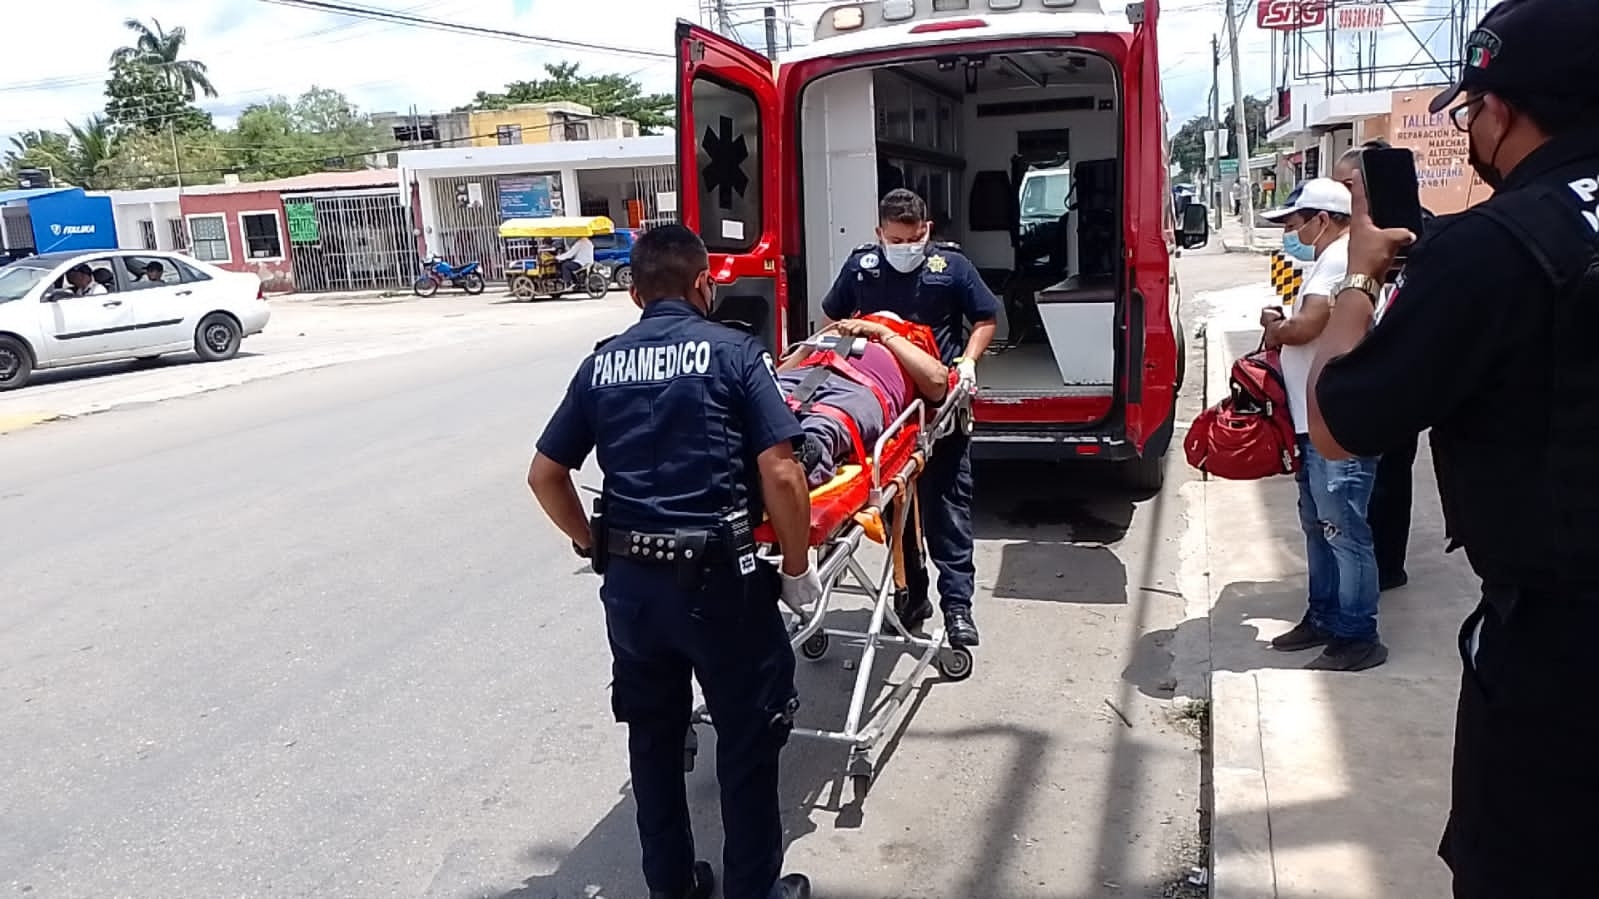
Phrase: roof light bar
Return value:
(848, 18)
(898, 10)
(948, 25)
(1004, 4)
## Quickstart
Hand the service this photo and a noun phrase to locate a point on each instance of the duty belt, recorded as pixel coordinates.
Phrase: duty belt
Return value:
(686, 546)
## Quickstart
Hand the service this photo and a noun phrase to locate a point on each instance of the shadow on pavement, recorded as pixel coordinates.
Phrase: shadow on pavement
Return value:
(97, 370)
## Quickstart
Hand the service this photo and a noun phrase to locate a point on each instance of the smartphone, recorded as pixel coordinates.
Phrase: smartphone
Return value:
(1393, 194)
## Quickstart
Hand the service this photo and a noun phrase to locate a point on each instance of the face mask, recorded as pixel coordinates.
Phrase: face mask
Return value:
(1297, 248)
(1484, 168)
(710, 295)
(906, 257)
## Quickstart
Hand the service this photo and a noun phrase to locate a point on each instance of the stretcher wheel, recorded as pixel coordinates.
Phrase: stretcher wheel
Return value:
(955, 663)
(814, 648)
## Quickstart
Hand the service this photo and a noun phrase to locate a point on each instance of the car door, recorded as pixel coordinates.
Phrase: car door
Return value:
(162, 309)
(76, 328)
(730, 163)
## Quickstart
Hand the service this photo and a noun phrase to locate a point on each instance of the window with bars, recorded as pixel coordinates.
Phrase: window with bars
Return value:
(209, 238)
(179, 234)
(147, 234)
(263, 238)
(507, 135)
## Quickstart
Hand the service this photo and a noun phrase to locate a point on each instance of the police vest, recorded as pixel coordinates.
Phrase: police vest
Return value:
(1524, 503)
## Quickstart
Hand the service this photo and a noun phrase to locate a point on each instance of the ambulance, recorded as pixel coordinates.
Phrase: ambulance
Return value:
(1036, 132)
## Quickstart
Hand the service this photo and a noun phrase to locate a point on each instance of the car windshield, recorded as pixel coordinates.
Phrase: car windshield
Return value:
(17, 279)
(1044, 195)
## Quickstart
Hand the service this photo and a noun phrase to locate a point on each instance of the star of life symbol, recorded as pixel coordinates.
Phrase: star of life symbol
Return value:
(937, 264)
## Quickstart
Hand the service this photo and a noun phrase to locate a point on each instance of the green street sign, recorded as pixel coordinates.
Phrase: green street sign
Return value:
(1229, 167)
(302, 222)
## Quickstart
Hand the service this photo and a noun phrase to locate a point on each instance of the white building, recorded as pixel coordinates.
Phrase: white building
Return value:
(466, 192)
(147, 219)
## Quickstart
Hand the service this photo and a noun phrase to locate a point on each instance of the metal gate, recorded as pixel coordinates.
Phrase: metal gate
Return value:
(350, 241)
(468, 227)
(649, 183)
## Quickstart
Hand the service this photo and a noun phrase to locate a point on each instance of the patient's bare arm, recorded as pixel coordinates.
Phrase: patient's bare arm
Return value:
(930, 375)
(803, 351)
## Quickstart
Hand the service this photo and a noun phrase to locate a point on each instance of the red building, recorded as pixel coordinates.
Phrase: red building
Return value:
(324, 231)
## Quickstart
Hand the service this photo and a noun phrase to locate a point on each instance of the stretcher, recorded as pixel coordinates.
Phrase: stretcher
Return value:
(870, 501)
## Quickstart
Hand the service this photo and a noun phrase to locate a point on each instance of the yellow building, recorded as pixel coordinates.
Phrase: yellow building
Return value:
(540, 123)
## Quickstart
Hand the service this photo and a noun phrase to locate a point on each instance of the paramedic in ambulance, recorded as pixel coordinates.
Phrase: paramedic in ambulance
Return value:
(575, 258)
(1333, 494)
(940, 288)
(695, 441)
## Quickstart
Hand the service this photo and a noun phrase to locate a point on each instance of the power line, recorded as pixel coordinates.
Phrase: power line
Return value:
(384, 15)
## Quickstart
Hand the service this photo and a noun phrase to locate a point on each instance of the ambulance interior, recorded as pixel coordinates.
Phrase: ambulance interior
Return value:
(1017, 156)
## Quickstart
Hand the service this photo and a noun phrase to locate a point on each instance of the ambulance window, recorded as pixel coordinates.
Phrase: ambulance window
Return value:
(728, 122)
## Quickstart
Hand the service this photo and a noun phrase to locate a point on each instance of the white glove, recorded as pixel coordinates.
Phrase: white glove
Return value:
(968, 371)
(802, 591)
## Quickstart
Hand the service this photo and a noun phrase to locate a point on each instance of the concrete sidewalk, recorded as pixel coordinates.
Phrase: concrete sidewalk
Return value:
(1268, 240)
(1325, 784)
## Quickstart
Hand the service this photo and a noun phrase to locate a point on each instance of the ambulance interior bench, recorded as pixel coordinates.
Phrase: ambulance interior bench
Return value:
(870, 501)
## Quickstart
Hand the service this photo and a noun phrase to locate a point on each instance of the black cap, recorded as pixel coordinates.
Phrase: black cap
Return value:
(1531, 47)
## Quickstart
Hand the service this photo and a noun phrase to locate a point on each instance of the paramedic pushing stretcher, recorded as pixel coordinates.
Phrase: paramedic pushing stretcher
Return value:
(695, 440)
(849, 382)
(939, 288)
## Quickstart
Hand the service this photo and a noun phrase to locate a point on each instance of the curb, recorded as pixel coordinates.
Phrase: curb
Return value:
(1229, 247)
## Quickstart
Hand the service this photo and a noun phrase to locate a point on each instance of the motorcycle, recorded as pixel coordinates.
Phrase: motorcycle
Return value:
(436, 272)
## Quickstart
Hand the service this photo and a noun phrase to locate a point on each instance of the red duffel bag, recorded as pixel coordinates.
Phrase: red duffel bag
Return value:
(1250, 434)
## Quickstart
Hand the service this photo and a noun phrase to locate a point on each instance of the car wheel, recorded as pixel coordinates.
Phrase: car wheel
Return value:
(218, 337)
(623, 277)
(16, 363)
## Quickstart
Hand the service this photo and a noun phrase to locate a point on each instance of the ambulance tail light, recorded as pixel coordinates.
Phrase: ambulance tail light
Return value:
(948, 25)
(848, 18)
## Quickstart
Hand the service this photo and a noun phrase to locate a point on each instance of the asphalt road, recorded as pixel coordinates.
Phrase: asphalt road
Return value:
(309, 636)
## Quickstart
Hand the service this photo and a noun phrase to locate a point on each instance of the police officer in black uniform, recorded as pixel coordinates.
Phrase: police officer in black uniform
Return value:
(1489, 341)
(695, 441)
(938, 287)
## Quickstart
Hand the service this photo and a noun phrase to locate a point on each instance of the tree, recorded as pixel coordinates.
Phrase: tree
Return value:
(282, 138)
(607, 95)
(162, 52)
(144, 159)
(40, 149)
(139, 98)
(78, 157)
(1254, 125)
(1188, 144)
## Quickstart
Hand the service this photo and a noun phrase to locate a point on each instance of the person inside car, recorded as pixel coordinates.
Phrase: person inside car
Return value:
(82, 281)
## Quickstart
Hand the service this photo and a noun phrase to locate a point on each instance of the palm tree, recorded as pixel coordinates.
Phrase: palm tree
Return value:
(162, 50)
(93, 146)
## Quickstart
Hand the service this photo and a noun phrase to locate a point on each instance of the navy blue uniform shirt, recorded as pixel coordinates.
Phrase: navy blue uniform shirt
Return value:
(944, 293)
(676, 408)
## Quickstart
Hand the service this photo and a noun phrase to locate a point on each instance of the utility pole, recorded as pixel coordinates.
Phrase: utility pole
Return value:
(177, 164)
(1241, 125)
(770, 13)
(724, 25)
(1213, 167)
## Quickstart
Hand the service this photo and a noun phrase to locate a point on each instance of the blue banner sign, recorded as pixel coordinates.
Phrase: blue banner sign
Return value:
(526, 196)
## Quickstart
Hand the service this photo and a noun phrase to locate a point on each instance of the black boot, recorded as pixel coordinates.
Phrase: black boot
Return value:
(794, 886)
(703, 885)
(960, 627)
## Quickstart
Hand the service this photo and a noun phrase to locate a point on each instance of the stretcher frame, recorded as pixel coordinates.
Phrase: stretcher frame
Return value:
(836, 559)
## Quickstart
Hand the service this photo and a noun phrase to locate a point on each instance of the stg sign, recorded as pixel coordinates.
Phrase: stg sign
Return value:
(1290, 15)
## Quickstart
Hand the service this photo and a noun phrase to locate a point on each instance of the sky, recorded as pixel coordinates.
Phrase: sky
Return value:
(255, 49)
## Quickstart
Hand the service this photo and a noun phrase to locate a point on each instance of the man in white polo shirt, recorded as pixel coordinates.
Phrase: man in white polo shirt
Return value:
(1333, 495)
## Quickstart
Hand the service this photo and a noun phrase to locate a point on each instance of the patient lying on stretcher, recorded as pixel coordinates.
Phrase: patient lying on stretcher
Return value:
(851, 380)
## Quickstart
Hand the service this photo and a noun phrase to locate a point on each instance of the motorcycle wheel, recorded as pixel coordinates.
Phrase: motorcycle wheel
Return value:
(473, 284)
(597, 285)
(522, 288)
(424, 286)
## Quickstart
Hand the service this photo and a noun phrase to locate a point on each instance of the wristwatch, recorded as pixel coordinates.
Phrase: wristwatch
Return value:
(1366, 284)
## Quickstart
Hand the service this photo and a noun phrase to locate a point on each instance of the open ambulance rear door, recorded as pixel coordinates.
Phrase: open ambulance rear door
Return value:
(729, 166)
(1150, 326)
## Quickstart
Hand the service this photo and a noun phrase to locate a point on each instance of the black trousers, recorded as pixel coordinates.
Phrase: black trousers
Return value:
(1526, 771)
(1389, 510)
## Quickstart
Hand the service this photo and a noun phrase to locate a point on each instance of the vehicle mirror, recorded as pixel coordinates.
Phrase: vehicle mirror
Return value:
(1195, 231)
(51, 296)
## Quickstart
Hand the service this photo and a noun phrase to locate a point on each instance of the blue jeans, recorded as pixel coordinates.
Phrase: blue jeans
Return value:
(1341, 556)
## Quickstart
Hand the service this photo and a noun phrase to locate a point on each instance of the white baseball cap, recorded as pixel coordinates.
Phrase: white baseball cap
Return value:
(1315, 195)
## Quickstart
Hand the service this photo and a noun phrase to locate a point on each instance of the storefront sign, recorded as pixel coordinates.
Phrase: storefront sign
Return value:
(1289, 15)
(68, 220)
(302, 222)
(1448, 185)
(527, 196)
(1360, 17)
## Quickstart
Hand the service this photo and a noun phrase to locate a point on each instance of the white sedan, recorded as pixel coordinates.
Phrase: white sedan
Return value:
(63, 309)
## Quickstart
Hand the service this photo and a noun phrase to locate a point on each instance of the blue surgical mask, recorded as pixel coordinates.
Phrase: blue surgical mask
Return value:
(1297, 248)
(906, 257)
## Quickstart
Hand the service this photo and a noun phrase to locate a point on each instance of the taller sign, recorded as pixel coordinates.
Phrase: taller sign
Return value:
(1290, 15)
